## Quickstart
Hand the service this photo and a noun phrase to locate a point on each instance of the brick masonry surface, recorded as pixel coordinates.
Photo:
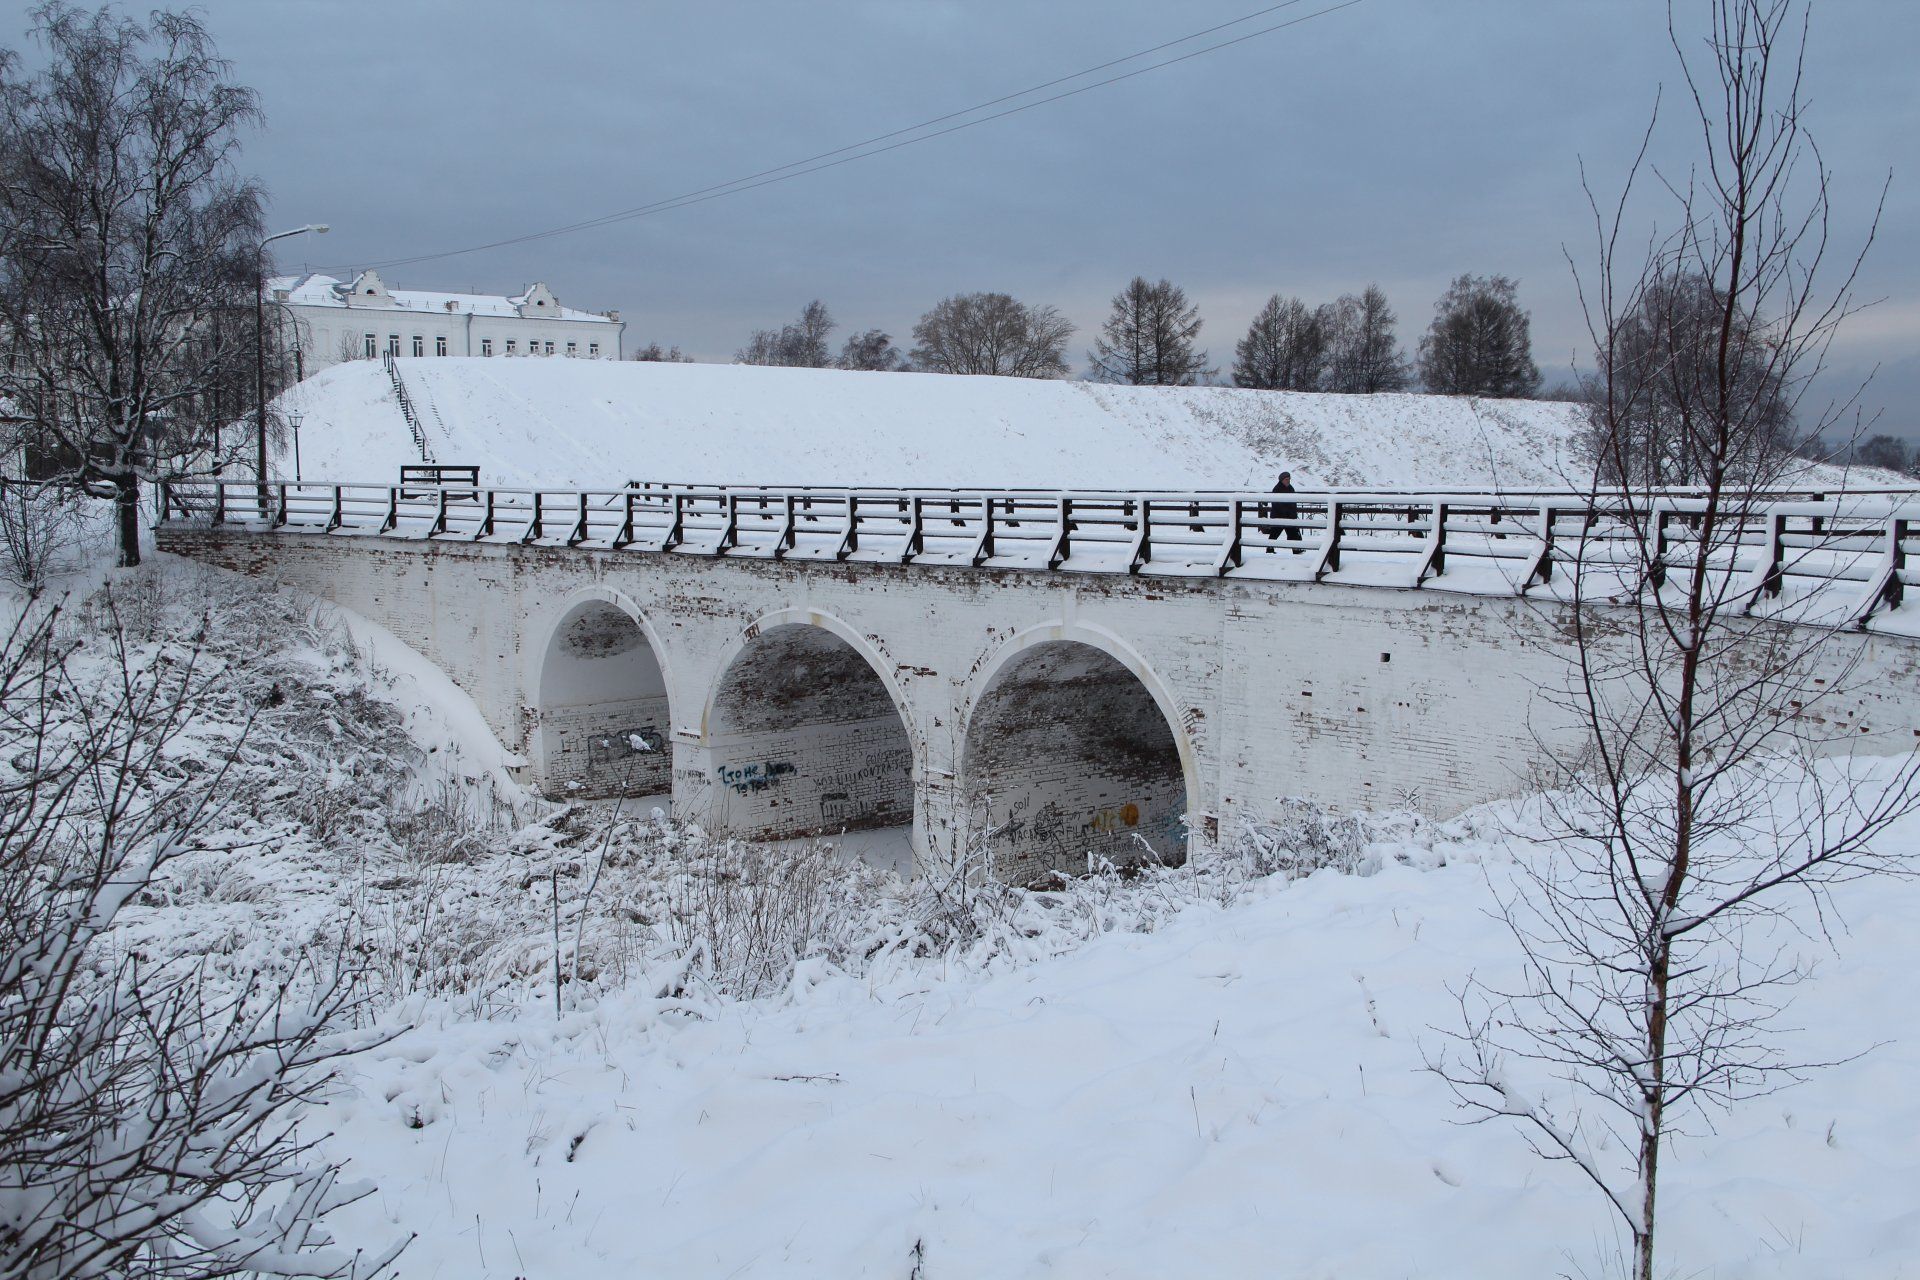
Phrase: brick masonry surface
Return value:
(993, 714)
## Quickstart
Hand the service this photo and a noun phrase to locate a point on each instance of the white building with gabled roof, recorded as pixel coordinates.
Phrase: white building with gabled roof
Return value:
(329, 320)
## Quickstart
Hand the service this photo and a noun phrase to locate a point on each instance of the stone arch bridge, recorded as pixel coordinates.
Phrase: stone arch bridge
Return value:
(1056, 675)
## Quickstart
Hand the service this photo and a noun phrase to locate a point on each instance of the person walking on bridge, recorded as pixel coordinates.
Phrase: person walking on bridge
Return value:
(1283, 511)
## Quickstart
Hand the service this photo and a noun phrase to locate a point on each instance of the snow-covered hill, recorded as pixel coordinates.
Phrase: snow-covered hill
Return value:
(565, 423)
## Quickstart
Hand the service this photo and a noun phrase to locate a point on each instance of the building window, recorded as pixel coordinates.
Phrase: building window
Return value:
(393, 344)
(509, 346)
(486, 346)
(419, 345)
(440, 345)
(593, 349)
(373, 346)
(573, 349)
(549, 348)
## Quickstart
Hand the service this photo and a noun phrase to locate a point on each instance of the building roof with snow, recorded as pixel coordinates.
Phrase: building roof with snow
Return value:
(368, 290)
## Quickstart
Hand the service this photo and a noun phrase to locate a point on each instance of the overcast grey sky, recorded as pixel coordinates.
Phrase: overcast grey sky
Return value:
(1402, 141)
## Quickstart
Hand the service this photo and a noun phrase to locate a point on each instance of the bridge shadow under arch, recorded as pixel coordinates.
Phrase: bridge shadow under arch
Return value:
(806, 736)
(1070, 759)
(604, 728)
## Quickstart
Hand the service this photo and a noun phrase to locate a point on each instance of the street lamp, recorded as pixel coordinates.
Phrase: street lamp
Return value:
(260, 349)
(294, 420)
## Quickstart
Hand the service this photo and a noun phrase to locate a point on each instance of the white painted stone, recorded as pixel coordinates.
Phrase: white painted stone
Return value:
(1350, 696)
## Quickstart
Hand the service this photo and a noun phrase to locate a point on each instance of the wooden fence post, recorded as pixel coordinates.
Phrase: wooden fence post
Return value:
(785, 542)
(676, 527)
(1886, 589)
(1657, 557)
(1770, 579)
(1540, 569)
(1142, 539)
(1330, 545)
(850, 535)
(1434, 563)
(578, 534)
(916, 531)
(1232, 549)
(1061, 549)
(983, 549)
(625, 536)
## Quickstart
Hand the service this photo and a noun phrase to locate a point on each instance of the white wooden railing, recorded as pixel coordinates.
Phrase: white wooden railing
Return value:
(1854, 549)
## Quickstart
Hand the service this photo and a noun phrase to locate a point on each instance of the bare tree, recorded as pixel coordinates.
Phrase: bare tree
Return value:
(1363, 356)
(991, 333)
(1479, 342)
(871, 352)
(1285, 348)
(1888, 452)
(801, 345)
(1662, 350)
(1693, 819)
(147, 1114)
(125, 237)
(1148, 338)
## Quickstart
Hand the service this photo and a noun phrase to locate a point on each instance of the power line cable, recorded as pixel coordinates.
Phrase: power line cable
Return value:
(927, 124)
(801, 168)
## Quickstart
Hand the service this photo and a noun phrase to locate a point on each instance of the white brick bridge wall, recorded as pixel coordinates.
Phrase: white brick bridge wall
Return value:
(1351, 696)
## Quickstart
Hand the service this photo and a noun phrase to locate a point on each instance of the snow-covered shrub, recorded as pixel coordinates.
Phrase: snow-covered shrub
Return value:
(148, 1115)
(38, 522)
(1302, 837)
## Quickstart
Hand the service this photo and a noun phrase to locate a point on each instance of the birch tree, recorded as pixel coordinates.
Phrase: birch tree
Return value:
(128, 246)
(1711, 802)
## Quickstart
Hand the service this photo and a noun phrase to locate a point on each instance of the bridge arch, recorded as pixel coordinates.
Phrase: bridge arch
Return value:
(599, 686)
(1074, 746)
(807, 731)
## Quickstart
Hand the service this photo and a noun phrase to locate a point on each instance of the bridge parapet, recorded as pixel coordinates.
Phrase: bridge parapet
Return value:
(1798, 555)
(1053, 675)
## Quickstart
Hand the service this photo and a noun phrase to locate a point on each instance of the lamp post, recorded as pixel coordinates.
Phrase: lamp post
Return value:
(293, 420)
(260, 350)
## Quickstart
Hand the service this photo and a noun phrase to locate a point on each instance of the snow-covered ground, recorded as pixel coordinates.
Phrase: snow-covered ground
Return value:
(1237, 1093)
(774, 1062)
(598, 424)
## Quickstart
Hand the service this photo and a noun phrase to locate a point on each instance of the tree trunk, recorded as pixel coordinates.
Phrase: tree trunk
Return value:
(126, 510)
(1654, 1100)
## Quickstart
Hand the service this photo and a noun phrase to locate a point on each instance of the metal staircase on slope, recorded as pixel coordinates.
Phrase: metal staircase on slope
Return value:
(407, 410)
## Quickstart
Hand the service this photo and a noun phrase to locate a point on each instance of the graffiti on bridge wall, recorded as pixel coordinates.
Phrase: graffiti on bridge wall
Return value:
(760, 775)
(1107, 821)
(871, 787)
(1051, 828)
(609, 749)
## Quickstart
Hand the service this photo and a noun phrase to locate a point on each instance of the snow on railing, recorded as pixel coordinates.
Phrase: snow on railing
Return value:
(1518, 542)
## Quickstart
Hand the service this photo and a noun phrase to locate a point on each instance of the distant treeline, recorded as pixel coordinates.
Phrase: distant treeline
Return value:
(1478, 343)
